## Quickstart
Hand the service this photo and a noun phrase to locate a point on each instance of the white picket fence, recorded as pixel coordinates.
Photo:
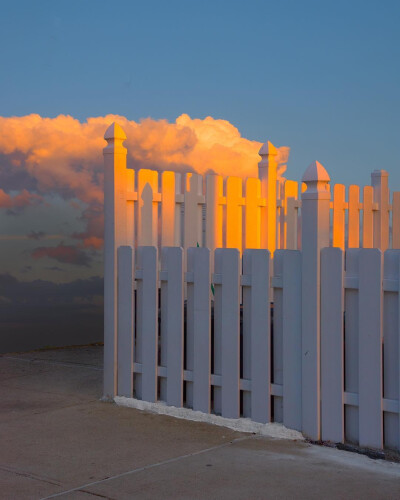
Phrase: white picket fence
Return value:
(173, 209)
(309, 338)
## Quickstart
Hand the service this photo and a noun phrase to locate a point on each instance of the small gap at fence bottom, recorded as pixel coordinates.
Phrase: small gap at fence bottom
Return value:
(273, 429)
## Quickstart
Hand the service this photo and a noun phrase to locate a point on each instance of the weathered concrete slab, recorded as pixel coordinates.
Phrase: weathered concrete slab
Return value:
(58, 438)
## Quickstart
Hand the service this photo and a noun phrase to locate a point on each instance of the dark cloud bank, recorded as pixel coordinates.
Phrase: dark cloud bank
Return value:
(42, 313)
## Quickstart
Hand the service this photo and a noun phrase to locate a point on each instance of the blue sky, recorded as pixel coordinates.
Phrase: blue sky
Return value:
(321, 77)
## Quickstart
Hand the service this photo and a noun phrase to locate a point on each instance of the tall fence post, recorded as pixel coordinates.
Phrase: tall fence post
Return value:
(267, 169)
(114, 236)
(315, 236)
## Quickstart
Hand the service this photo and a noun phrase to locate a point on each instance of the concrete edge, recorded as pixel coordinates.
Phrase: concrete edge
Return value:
(272, 430)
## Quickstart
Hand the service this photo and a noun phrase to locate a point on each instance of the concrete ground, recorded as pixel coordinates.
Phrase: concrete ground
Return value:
(57, 439)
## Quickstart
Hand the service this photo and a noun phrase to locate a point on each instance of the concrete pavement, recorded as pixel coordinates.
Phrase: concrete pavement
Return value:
(58, 440)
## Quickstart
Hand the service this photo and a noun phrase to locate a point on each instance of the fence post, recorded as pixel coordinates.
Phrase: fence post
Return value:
(267, 169)
(114, 236)
(315, 236)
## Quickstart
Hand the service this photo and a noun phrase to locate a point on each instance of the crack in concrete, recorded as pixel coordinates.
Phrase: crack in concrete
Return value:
(147, 467)
(29, 475)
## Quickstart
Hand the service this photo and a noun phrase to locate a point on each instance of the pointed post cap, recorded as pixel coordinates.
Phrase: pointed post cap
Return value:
(115, 131)
(317, 179)
(115, 136)
(268, 149)
(316, 172)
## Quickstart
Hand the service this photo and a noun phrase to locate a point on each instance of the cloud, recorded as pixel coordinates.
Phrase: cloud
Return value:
(36, 235)
(66, 254)
(14, 203)
(64, 156)
(92, 236)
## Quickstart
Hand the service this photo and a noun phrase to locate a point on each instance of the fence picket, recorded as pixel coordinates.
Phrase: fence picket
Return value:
(256, 333)
(214, 198)
(192, 232)
(351, 357)
(288, 215)
(125, 322)
(172, 323)
(332, 354)
(199, 326)
(168, 209)
(130, 207)
(234, 203)
(353, 239)
(227, 300)
(391, 347)
(338, 230)
(370, 348)
(179, 210)
(147, 321)
(254, 202)
(379, 182)
(277, 335)
(291, 338)
(396, 220)
(368, 227)
(148, 197)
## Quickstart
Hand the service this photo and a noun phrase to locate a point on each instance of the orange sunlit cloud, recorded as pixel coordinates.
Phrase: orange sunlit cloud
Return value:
(20, 200)
(62, 155)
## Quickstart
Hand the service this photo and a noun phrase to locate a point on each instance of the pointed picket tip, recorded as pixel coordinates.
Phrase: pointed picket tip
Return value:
(268, 149)
(316, 172)
(115, 131)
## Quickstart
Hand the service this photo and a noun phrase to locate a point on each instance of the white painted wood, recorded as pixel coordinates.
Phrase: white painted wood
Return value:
(114, 236)
(214, 195)
(291, 339)
(315, 236)
(125, 321)
(267, 173)
(193, 210)
(147, 321)
(289, 213)
(396, 220)
(292, 224)
(148, 198)
(253, 202)
(199, 326)
(368, 231)
(370, 348)
(172, 327)
(351, 342)
(256, 333)
(234, 203)
(179, 207)
(277, 335)
(168, 205)
(130, 207)
(353, 239)
(332, 353)
(379, 182)
(227, 264)
(338, 231)
(391, 348)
